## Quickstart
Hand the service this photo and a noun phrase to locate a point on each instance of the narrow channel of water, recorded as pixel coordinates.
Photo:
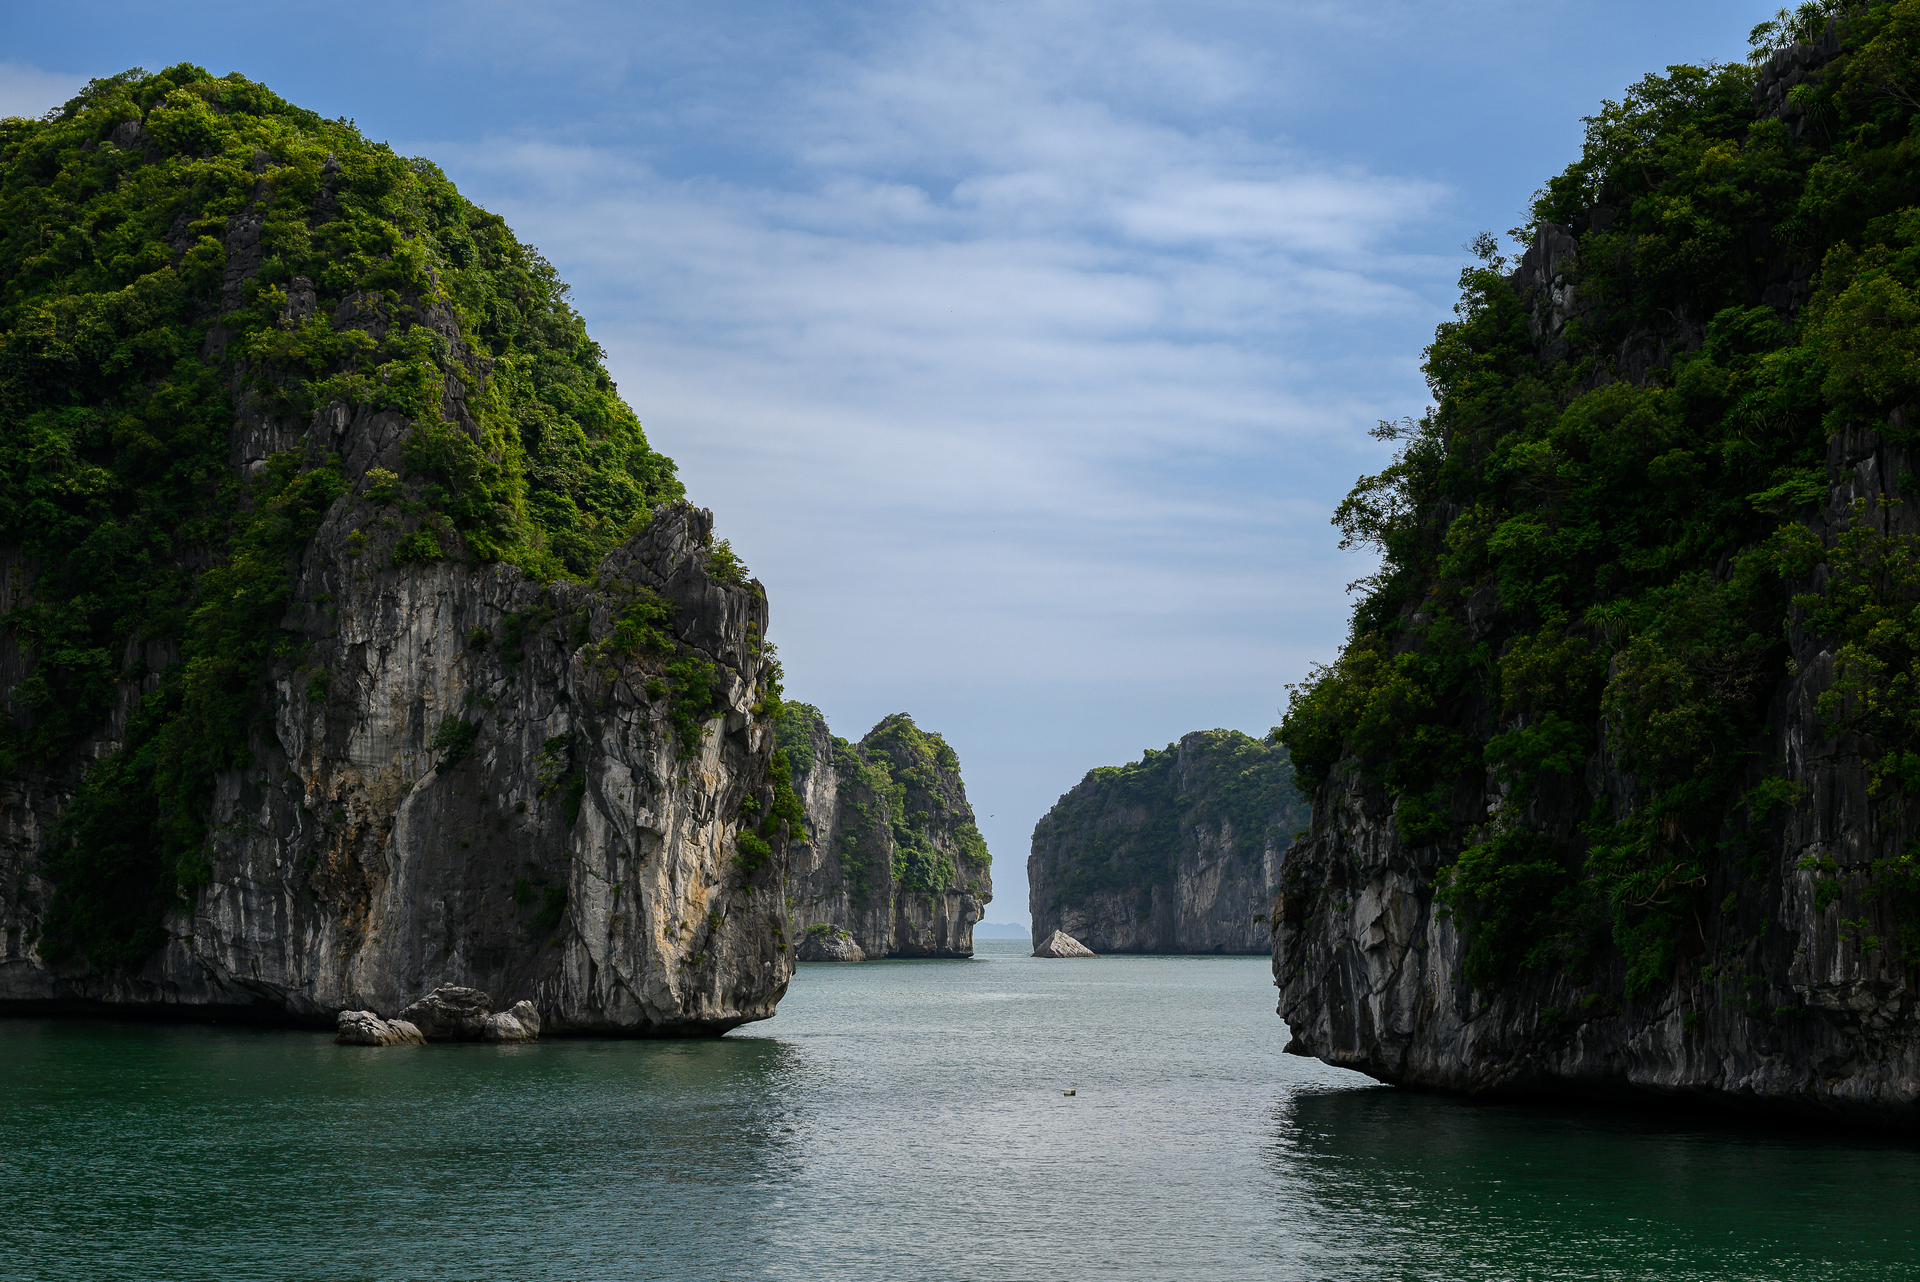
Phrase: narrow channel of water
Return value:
(899, 1121)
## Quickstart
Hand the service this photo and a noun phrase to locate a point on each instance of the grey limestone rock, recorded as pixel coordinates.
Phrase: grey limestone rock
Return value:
(1176, 853)
(364, 1028)
(1061, 944)
(450, 1014)
(128, 135)
(519, 1023)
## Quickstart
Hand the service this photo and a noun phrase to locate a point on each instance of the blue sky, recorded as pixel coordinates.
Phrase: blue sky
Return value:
(1022, 350)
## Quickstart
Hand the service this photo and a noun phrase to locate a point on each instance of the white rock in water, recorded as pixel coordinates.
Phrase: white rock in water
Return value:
(521, 1023)
(364, 1028)
(1061, 944)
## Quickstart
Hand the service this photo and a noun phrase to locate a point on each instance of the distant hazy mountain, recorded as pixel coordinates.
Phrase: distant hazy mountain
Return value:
(1000, 930)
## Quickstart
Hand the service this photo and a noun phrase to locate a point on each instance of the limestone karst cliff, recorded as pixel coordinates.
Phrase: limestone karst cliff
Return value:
(892, 864)
(1615, 786)
(357, 643)
(1178, 852)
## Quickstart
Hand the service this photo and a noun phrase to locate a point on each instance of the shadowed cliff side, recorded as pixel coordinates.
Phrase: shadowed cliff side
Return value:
(892, 863)
(1614, 784)
(1178, 852)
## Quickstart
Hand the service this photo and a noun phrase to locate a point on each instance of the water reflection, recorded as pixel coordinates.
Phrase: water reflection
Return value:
(1430, 1185)
(132, 1148)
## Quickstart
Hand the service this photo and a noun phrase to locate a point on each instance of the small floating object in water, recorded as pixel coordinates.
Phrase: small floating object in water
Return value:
(1066, 1092)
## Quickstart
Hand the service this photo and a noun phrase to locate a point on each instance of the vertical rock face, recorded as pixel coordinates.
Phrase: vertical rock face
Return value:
(481, 789)
(1176, 853)
(1793, 997)
(892, 858)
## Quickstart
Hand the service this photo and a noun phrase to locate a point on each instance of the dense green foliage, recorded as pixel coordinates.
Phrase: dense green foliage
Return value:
(921, 770)
(795, 725)
(1640, 527)
(129, 344)
(1126, 827)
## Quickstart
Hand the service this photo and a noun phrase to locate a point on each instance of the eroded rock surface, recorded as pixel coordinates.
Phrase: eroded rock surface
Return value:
(564, 845)
(518, 1023)
(824, 943)
(364, 1028)
(450, 1014)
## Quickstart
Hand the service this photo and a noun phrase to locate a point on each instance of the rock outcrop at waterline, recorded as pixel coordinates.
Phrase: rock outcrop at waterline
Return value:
(1061, 944)
(823, 942)
(1664, 848)
(1178, 852)
(364, 1028)
(449, 1013)
(376, 653)
(892, 864)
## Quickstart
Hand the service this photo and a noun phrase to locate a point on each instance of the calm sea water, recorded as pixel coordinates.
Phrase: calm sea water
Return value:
(899, 1121)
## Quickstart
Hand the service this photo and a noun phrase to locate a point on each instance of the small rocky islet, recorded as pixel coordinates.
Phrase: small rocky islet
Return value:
(447, 1014)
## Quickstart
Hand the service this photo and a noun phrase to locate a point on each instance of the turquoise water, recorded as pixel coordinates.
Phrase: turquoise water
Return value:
(898, 1120)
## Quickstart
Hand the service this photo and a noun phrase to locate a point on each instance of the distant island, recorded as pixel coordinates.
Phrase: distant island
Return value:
(1178, 852)
(1002, 930)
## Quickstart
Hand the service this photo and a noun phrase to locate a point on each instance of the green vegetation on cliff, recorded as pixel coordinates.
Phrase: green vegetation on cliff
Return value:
(1593, 545)
(1125, 828)
(178, 252)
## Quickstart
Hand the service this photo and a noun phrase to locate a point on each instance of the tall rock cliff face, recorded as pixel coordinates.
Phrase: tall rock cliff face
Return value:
(422, 678)
(892, 861)
(1795, 990)
(1176, 853)
(1679, 860)
(477, 790)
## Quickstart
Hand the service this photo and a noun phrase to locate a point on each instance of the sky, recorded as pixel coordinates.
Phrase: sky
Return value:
(1022, 350)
